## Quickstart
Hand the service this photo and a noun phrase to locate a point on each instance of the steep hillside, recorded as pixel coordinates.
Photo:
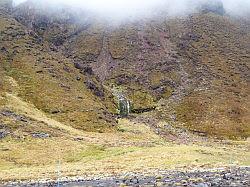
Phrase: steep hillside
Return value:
(216, 49)
(192, 72)
(35, 73)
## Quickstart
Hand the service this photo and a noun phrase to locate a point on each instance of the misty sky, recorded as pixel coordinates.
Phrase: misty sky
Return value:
(133, 8)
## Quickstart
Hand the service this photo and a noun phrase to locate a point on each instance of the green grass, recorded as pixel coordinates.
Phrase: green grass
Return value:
(85, 158)
(97, 152)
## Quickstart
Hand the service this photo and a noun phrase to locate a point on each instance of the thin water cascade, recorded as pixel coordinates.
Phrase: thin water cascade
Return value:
(124, 107)
(128, 107)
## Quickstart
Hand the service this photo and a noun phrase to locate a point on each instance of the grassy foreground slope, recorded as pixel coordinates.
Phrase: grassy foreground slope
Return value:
(133, 149)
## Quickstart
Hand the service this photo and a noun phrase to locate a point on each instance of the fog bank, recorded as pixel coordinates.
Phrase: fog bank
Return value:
(123, 9)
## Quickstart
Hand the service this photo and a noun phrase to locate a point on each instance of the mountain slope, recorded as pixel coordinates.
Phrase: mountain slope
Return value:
(192, 72)
(51, 82)
(218, 50)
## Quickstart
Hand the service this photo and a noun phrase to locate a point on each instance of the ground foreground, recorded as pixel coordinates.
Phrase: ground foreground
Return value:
(135, 148)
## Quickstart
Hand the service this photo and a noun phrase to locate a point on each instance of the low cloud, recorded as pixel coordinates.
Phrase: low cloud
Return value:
(125, 9)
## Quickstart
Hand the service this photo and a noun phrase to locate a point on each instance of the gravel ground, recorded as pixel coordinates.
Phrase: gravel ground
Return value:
(218, 177)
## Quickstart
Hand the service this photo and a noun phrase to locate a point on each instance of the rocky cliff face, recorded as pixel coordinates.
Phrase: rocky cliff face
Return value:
(192, 72)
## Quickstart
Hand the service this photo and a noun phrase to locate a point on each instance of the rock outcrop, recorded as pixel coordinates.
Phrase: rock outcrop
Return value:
(214, 6)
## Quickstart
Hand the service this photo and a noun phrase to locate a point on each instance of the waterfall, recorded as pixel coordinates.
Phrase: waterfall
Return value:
(124, 104)
(128, 107)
